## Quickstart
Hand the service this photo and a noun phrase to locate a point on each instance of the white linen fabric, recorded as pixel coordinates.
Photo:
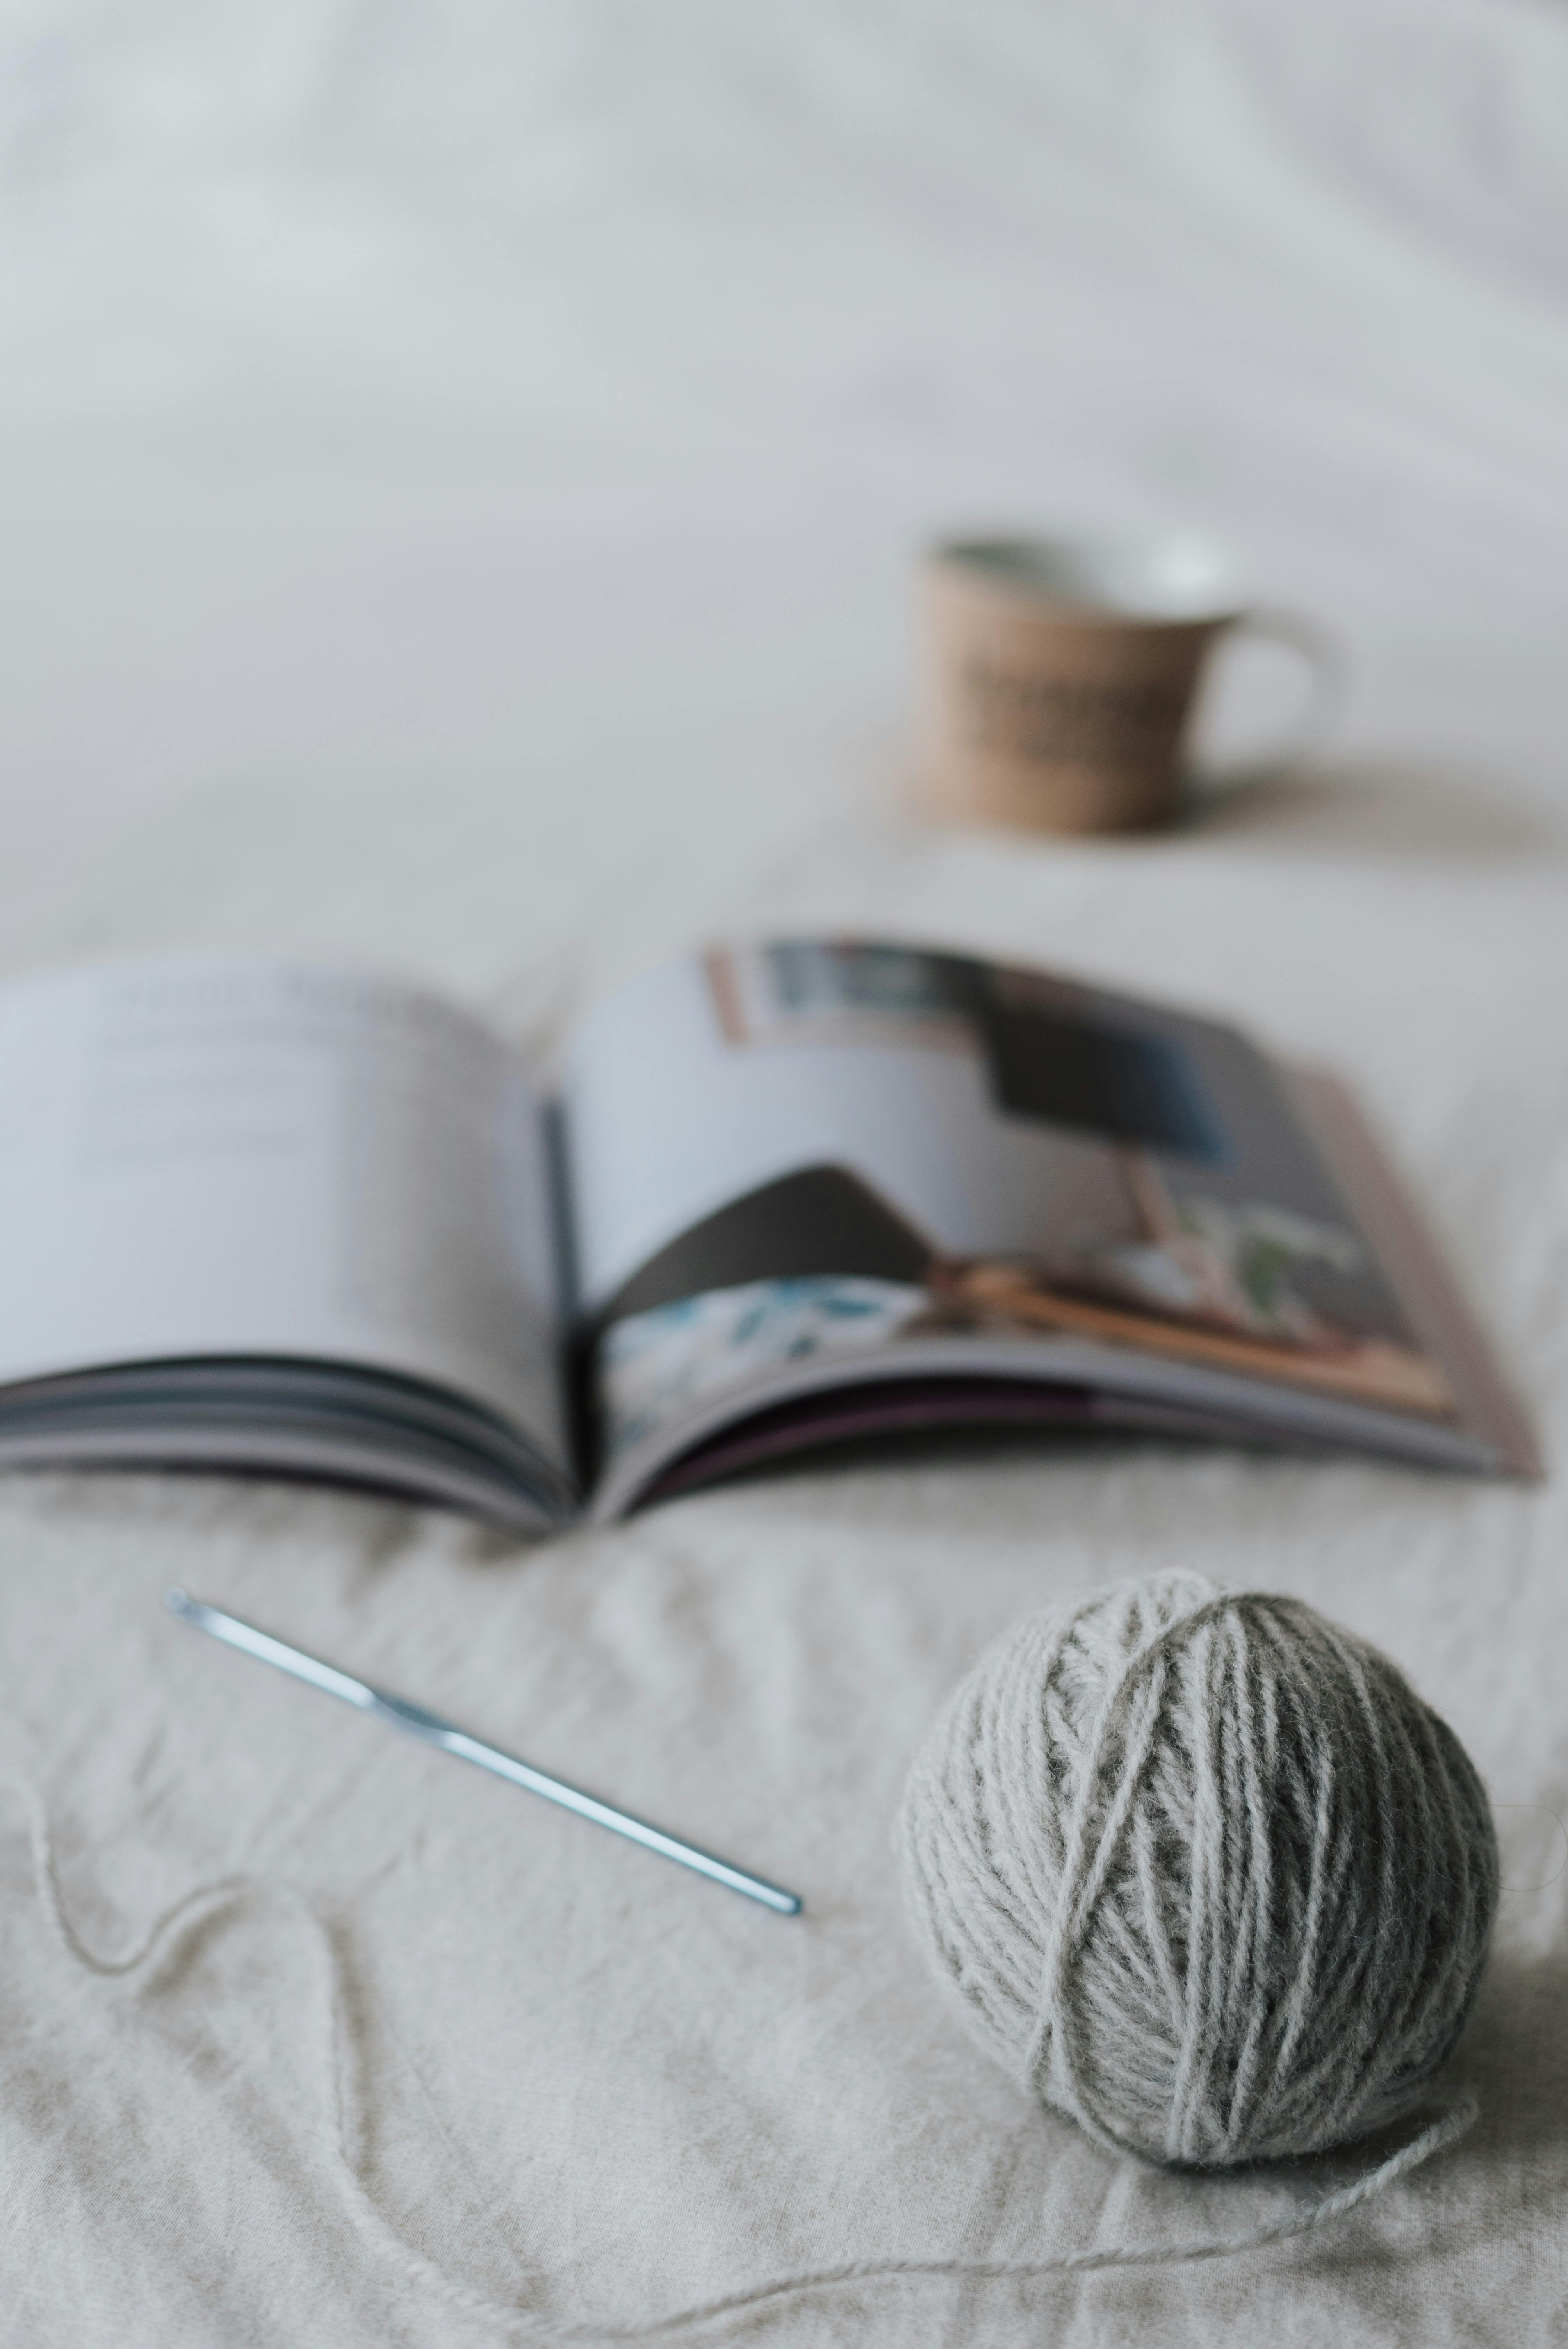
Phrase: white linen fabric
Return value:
(458, 470)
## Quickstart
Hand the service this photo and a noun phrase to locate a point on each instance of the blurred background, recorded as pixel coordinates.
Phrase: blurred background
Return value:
(460, 469)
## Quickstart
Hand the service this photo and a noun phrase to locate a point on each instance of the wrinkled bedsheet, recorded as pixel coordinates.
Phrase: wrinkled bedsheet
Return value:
(460, 474)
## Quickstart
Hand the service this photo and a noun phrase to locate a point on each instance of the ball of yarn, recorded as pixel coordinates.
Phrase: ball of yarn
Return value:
(1201, 1870)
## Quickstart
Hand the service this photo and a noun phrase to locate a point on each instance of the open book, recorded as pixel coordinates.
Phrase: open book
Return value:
(302, 1220)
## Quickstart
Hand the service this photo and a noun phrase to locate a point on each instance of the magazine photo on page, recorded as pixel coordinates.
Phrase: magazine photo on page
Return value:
(884, 1188)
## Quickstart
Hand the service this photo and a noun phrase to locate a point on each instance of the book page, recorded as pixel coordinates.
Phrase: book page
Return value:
(813, 1152)
(258, 1159)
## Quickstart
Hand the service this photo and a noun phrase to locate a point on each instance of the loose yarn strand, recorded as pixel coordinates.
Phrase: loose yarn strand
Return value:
(1446, 2129)
(187, 1910)
(208, 1900)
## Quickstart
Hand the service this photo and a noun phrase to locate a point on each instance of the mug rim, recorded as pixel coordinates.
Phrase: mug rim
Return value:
(989, 560)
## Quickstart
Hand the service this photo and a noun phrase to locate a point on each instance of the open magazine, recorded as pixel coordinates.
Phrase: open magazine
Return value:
(304, 1220)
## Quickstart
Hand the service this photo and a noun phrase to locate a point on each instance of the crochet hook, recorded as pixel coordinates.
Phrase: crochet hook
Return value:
(430, 1729)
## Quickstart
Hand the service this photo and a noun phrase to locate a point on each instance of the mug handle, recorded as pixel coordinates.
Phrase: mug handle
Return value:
(1325, 699)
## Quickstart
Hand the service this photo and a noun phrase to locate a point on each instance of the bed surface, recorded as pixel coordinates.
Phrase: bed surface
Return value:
(459, 479)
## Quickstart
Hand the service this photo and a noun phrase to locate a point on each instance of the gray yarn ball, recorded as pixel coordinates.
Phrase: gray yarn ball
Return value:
(1201, 1870)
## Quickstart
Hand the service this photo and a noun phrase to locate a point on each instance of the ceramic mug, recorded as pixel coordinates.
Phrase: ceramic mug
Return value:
(1065, 673)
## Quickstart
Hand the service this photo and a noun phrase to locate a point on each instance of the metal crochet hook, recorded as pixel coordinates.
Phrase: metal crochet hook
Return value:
(430, 1729)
